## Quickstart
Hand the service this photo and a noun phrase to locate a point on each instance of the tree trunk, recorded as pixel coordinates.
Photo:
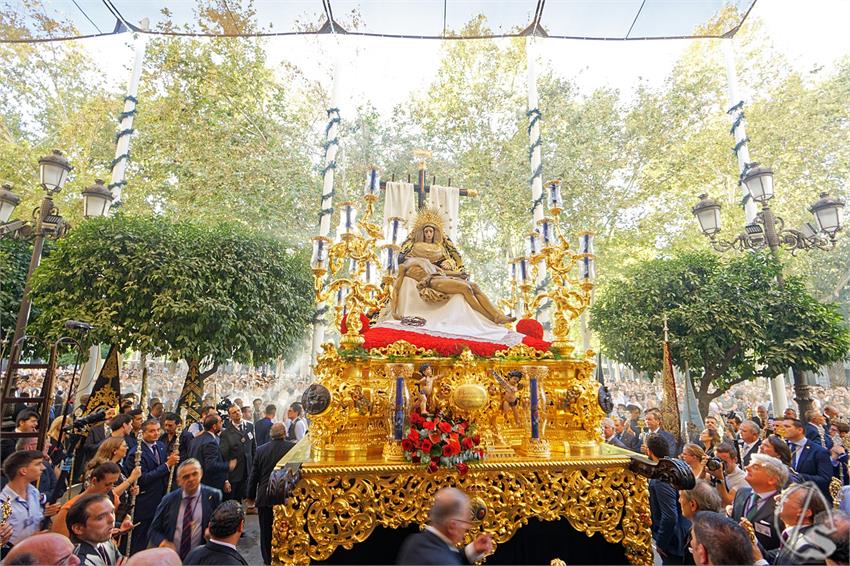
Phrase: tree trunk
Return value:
(703, 397)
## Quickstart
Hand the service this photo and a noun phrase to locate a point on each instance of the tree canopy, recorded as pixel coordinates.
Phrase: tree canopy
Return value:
(225, 133)
(729, 320)
(209, 291)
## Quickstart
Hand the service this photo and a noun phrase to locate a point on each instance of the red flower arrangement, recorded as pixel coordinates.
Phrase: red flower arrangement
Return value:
(436, 440)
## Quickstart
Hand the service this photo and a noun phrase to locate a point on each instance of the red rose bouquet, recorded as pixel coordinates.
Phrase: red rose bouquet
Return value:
(439, 441)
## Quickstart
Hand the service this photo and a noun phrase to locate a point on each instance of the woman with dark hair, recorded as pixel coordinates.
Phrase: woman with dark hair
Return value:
(709, 438)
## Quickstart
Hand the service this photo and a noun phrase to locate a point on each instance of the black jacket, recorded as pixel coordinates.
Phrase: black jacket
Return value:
(427, 548)
(762, 518)
(241, 446)
(666, 517)
(214, 553)
(268, 455)
(164, 523)
(262, 427)
(205, 450)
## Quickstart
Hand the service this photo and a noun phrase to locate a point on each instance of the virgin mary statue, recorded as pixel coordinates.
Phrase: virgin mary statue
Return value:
(433, 287)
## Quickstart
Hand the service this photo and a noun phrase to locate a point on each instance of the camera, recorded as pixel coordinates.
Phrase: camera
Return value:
(714, 463)
(85, 421)
(224, 405)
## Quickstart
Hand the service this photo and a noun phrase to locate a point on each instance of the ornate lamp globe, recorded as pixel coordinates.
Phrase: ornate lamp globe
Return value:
(707, 212)
(96, 200)
(759, 182)
(828, 212)
(8, 202)
(54, 170)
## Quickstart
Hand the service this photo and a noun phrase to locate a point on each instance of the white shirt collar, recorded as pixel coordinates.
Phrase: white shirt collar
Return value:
(222, 543)
(443, 537)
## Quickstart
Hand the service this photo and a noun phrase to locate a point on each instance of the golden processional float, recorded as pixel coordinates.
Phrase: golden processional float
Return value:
(410, 402)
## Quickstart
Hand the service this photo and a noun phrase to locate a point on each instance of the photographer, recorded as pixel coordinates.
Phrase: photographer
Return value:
(724, 472)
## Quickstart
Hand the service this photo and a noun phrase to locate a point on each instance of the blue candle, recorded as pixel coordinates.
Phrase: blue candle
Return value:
(373, 182)
(535, 413)
(392, 261)
(398, 416)
(555, 200)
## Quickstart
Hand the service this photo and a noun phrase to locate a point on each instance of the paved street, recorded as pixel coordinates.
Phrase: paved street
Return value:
(249, 545)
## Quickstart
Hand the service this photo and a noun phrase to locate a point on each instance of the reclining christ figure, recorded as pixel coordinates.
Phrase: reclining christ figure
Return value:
(431, 284)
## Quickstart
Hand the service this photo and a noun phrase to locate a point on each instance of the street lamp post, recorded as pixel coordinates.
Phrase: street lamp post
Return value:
(768, 230)
(54, 169)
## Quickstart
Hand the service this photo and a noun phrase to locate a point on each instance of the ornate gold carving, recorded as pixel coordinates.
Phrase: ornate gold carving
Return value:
(334, 507)
(524, 352)
(401, 349)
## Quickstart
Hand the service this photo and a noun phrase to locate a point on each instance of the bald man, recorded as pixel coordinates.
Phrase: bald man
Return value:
(448, 520)
(44, 548)
(267, 457)
(158, 556)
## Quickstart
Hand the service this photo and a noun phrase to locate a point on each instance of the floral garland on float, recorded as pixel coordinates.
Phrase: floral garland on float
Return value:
(437, 441)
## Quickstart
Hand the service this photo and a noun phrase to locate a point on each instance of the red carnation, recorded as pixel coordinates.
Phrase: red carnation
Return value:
(462, 468)
(455, 447)
(364, 324)
(466, 443)
(429, 425)
(461, 427)
(432, 467)
(447, 450)
(413, 435)
(476, 439)
(435, 437)
(407, 445)
(426, 445)
(445, 427)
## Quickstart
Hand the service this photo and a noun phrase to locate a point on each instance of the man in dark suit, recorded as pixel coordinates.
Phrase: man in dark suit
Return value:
(268, 455)
(610, 435)
(264, 425)
(766, 477)
(809, 460)
(90, 521)
(702, 497)
(817, 430)
(226, 526)
(184, 514)
(136, 421)
(750, 442)
(626, 435)
(449, 518)
(667, 521)
(170, 424)
(653, 424)
(205, 449)
(802, 539)
(156, 465)
(238, 443)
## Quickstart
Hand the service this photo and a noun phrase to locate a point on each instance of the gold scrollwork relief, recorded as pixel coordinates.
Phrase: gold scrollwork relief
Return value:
(335, 509)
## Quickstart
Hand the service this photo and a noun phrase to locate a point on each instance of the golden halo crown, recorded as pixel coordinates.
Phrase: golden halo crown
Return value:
(429, 217)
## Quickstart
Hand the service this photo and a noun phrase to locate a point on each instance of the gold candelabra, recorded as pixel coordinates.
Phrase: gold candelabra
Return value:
(356, 250)
(570, 295)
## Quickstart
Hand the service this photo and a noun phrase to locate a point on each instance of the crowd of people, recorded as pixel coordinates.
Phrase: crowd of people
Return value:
(149, 487)
(155, 489)
(769, 489)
